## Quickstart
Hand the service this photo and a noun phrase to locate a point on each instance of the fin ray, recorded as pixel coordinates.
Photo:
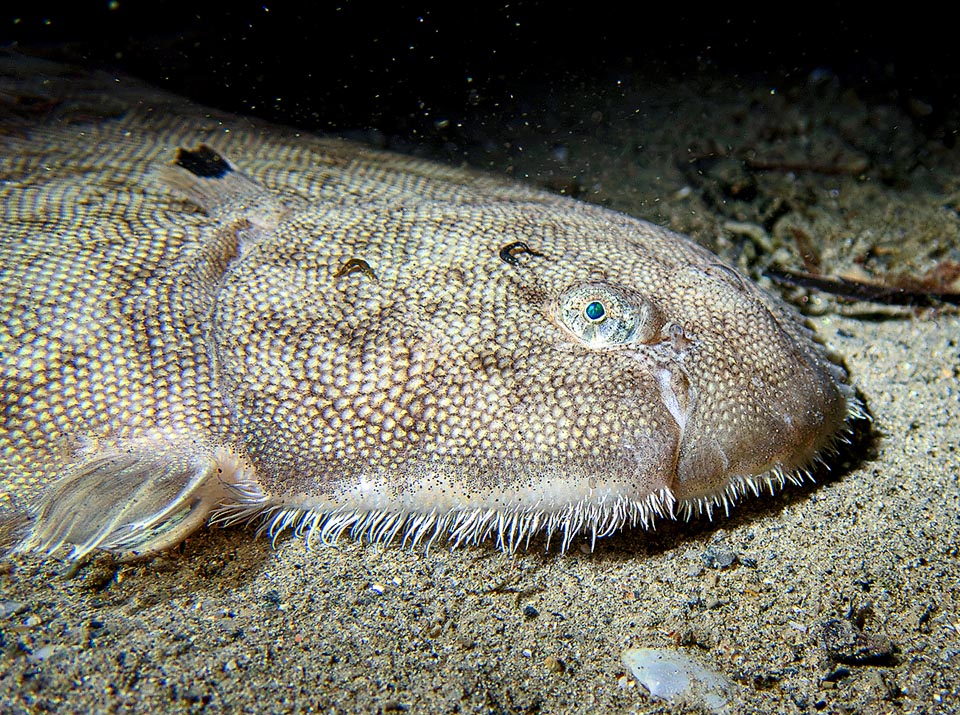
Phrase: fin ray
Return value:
(208, 180)
(135, 502)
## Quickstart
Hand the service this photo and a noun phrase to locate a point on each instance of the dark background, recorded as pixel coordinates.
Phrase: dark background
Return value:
(420, 69)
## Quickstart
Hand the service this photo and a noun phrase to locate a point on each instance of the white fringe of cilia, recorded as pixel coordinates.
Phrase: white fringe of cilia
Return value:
(511, 529)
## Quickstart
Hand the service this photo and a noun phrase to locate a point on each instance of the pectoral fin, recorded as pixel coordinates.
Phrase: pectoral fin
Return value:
(206, 179)
(135, 502)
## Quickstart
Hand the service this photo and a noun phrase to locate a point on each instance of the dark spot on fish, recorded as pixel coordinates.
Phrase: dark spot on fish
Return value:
(507, 253)
(203, 162)
(354, 265)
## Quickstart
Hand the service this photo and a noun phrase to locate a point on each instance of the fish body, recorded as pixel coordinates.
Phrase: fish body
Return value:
(208, 317)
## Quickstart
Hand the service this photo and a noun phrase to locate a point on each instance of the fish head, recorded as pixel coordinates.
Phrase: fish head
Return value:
(528, 356)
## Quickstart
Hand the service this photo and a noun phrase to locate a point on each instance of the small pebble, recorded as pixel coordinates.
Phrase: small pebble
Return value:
(530, 612)
(9, 608)
(41, 654)
(836, 674)
(718, 557)
(845, 643)
(554, 665)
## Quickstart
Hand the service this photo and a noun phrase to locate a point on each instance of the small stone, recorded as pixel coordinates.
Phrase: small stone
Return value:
(9, 608)
(845, 643)
(530, 612)
(919, 618)
(554, 665)
(718, 557)
(882, 682)
(41, 654)
(836, 674)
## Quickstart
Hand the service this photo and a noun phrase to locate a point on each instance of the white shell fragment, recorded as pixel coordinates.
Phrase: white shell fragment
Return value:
(678, 678)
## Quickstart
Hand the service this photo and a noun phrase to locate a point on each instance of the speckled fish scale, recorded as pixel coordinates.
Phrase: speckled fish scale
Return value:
(207, 317)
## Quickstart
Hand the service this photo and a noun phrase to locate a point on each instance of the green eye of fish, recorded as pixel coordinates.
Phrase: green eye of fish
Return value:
(599, 315)
(594, 311)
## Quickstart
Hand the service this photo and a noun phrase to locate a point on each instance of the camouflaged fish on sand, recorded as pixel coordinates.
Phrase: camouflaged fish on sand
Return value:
(208, 317)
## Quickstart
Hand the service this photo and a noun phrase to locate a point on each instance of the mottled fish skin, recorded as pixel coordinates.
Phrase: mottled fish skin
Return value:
(205, 316)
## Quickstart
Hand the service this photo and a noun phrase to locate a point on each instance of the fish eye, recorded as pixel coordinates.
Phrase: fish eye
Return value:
(594, 312)
(599, 315)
